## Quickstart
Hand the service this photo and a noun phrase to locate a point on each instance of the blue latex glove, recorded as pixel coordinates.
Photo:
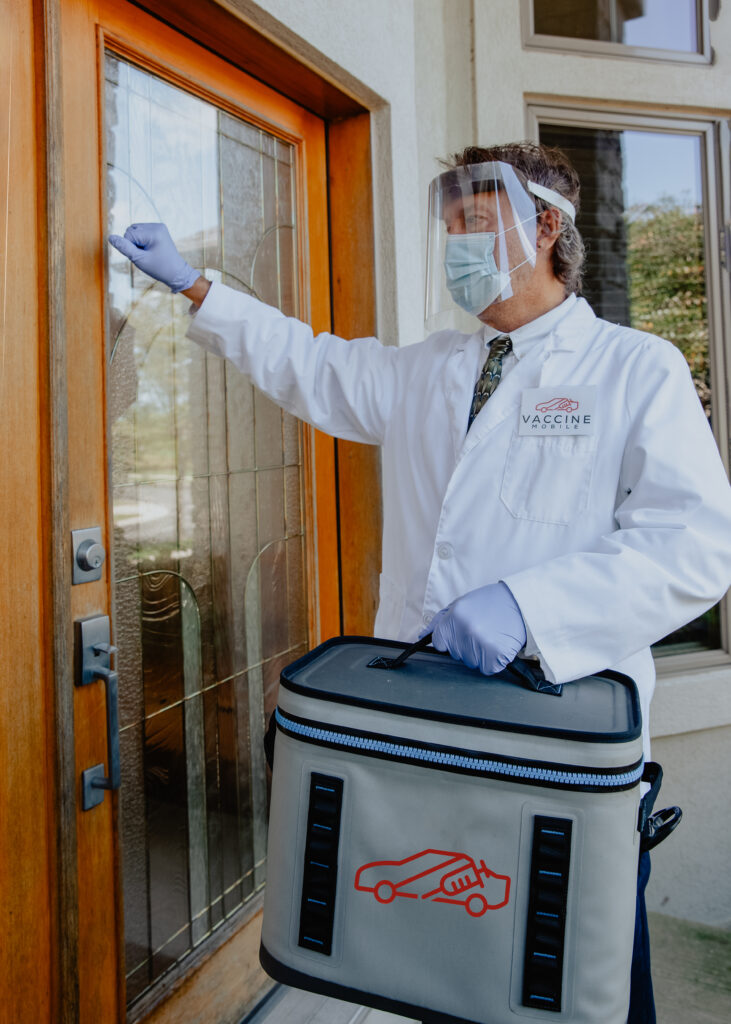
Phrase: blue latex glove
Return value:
(151, 248)
(484, 628)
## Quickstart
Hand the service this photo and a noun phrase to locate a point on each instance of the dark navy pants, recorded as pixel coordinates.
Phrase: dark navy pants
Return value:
(641, 999)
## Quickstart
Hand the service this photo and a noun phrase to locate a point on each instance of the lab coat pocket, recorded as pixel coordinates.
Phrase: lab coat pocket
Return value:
(548, 479)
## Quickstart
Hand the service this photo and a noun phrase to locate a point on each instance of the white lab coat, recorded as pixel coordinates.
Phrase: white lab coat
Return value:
(608, 542)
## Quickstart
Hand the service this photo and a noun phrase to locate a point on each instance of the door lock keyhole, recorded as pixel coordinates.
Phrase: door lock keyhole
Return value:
(89, 554)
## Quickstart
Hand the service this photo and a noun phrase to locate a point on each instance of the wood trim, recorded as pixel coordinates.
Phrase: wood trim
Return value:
(29, 915)
(325, 599)
(354, 306)
(221, 985)
(59, 627)
(147, 1008)
(86, 499)
(226, 34)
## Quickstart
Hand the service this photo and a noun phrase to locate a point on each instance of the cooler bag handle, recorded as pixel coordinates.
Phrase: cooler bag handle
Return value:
(654, 828)
(420, 645)
(529, 674)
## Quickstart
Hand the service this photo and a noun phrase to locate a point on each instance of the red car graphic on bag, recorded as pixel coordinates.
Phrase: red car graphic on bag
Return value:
(437, 875)
(558, 405)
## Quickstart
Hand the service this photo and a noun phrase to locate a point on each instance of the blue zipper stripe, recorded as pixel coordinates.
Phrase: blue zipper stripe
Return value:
(438, 757)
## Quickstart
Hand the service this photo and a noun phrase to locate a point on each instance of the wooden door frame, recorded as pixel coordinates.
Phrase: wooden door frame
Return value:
(352, 314)
(59, 623)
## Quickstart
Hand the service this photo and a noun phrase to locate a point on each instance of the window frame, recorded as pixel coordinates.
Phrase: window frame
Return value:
(596, 48)
(715, 138)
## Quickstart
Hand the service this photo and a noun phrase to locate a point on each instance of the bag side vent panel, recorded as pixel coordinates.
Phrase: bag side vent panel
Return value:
(546, 926)
(319, 880)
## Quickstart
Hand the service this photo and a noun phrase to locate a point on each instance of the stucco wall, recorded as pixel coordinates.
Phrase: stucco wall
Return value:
(690, 873)
(691, 716)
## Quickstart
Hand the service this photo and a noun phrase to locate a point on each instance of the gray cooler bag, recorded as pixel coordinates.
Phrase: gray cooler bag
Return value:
(446, 846)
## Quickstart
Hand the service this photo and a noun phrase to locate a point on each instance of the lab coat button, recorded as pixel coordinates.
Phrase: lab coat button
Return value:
(445, 550)
(426, 618)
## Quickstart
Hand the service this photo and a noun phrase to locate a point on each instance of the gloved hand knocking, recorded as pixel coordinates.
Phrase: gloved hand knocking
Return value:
(150, 247)
(484, 628)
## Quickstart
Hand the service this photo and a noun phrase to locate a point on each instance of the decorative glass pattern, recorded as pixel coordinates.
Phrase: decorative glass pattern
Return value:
(642, 219)
(209, 544)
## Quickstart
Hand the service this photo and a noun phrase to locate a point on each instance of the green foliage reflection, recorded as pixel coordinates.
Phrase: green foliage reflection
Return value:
(667, 274)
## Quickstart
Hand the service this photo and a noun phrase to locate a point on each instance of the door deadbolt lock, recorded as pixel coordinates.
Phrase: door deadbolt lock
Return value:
(88, 554)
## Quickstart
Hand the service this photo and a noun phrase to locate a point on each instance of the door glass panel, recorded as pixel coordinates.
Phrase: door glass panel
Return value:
(642, 219)
(209, 545)
(657, 24)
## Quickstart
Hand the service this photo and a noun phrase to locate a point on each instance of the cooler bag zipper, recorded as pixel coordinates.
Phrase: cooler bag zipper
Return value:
(467, 762)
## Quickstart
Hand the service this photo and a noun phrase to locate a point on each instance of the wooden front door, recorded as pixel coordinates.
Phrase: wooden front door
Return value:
(217, 510)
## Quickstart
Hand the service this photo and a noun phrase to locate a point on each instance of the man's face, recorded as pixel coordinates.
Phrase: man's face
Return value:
(489, 211)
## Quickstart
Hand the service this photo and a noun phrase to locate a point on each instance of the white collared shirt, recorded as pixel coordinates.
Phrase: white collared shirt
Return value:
(527, 335)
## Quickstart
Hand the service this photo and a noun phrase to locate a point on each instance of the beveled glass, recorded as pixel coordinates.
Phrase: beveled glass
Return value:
(210, 595)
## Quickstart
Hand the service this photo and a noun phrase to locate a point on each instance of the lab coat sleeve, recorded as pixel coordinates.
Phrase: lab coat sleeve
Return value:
(669, 559)
(345, 388)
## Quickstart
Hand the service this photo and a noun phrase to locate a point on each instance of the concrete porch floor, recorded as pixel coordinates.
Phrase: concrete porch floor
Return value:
(691, 974)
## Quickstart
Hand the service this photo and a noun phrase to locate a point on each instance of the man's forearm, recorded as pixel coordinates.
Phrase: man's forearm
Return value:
(198, 291)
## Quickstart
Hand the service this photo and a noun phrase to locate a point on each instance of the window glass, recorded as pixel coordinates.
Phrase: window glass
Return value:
(210, 596)
(657, 24)
(642, 221)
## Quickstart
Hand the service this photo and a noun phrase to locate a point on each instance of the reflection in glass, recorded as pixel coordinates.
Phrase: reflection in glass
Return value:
(210, 590)
(657, 24)
(642, 220)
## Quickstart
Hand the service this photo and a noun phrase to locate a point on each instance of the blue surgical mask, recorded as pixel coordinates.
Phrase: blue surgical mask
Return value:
(473, 278)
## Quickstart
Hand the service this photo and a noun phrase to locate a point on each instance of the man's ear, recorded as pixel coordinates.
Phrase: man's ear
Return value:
(549, 227)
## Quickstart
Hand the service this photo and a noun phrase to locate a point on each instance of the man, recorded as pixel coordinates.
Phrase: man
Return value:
(577, 512)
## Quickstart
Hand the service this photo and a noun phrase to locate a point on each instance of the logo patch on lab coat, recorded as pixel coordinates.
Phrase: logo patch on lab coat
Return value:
(557, 410)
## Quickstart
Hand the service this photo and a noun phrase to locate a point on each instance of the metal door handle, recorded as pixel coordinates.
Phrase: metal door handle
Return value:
(94, 653)
(110, 678)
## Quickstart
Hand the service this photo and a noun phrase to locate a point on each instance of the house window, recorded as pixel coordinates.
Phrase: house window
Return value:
(668, 29)
(648, 218)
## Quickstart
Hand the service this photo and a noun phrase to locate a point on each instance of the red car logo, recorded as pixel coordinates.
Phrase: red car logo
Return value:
(437, 875)
(558, 405)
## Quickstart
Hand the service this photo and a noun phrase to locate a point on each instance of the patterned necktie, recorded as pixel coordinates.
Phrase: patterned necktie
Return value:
(490, 376)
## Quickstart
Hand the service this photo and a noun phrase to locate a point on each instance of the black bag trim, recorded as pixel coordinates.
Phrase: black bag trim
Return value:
(459, 752)
(298, 979)
(270, 737)
(481, 723)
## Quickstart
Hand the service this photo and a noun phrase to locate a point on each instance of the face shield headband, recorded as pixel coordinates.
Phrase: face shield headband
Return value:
(481, 229)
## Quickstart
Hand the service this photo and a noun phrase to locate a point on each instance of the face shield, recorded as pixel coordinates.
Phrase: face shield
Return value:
(481, 229)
